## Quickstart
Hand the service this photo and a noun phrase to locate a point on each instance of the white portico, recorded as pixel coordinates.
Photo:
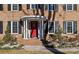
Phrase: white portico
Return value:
(33, 26)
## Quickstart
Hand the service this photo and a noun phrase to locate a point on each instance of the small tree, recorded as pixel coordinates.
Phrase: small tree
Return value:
(7, 37)
(59, 34)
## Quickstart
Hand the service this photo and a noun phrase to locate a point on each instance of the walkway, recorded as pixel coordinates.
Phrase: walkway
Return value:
(53, 50)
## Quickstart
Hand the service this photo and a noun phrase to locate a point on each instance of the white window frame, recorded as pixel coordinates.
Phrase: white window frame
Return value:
(72, 7)
(12, 27)
(31, 6)
(51, 10)
(44, 6)
(12, 7)
(72, 27)
(48, 27)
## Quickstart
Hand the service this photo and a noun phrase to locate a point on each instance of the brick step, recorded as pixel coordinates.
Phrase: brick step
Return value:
(33, 41)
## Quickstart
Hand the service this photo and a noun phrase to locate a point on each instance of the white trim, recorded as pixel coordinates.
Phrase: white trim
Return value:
(24, 29)
(67, 27)
(34, 6)
(54, 27)
(54, 7)
(12, 7)
(72, 7)
(42, 29)
(34, 16)
(12, 27)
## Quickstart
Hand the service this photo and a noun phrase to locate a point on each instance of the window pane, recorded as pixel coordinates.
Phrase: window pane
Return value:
(1, 27)
(51, 27)
(15, 27)
(46, 6)
(1, 7)
(69, 27)
(34, 6)
(15, 7)
(69, 6)
(52, 6)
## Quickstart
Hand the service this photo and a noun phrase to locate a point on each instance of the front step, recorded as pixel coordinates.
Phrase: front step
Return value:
(33, 41)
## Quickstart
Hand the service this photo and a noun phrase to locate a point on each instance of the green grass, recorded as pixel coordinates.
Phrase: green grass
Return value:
(72, 52)
(22, 51)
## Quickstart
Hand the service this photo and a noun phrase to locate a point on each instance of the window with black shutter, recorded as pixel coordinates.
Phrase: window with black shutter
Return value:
(28, 6)
(9, 7)
(53, 27)
(70, 27)
(20, 7)
(13, 27)
(70, 7)
(14, 7)
(53, 7)
(1, 7)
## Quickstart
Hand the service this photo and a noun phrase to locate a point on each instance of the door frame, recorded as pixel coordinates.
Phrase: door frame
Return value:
(36, 27)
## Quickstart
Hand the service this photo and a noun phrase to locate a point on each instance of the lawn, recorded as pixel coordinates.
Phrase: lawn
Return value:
(22, 51)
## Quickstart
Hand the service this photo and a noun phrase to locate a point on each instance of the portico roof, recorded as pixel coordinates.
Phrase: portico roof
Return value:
(31, 17)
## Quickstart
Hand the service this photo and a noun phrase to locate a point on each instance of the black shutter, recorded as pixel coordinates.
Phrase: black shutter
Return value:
(64, 27)
(75, 7)
(20, 27)
(56, 26)
(20, 7)
(9, 26)
(1, 7)
(75, 27)
(41, 6)
(28, 6)
(1, 27)
(9, 7)
(64, 7)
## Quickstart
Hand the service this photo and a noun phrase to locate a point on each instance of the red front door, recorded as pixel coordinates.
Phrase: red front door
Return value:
(34, 29)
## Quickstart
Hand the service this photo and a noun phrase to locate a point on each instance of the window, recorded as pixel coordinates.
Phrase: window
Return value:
(70, 27)
(14, 7)
(13, 27)
(1, 7)
(52, 27)
(1, 27)
(46, 6)
(52, 7)
(34, 6)
(69, 7)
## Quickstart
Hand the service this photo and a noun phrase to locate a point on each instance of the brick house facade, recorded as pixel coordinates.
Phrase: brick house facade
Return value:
(27, 21)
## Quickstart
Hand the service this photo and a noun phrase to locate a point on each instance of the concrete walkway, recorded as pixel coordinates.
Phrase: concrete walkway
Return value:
(42, 48)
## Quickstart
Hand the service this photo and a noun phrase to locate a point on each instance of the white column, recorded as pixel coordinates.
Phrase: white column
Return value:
(42, 30)
(11, 27)
(29, 29)
(39, 29)
(26, 29)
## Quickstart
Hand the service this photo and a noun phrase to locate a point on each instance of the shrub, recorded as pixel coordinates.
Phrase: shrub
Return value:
(7, 37)
(59, 34)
